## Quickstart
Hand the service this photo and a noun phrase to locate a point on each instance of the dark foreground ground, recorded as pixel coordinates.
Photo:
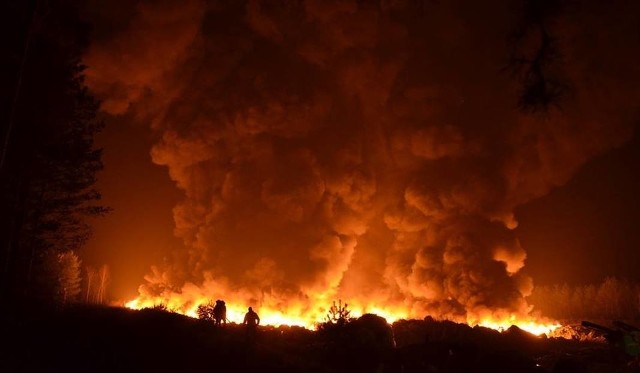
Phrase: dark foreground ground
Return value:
(120, 340)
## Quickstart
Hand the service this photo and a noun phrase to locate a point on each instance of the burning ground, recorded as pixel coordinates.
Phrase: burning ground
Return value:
(366, 151)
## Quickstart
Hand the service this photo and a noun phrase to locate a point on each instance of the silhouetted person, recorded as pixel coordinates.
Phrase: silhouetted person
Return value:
(251, 321)
(220, 312)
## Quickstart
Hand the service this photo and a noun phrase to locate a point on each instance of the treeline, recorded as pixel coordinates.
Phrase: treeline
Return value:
(71, 283)
(48, 159)
(612, 299)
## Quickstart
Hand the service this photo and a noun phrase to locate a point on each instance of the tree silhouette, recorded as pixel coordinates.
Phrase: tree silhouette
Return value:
(64, 279)
(205, 311)
(337, 316)
(49, 159)
(611, 299)
(535, 57)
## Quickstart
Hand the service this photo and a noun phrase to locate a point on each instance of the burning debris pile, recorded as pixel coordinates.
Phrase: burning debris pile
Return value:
(579, 333)
(357, 150)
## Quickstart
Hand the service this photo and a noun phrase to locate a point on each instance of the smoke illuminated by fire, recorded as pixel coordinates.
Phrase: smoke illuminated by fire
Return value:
(370, 152)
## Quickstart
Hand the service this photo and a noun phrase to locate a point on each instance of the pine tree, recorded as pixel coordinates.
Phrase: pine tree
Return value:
(49, 159)
(66, 277)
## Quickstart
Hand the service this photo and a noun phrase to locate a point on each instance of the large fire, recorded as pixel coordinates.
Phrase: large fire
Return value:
(296, 316)
(339, 150)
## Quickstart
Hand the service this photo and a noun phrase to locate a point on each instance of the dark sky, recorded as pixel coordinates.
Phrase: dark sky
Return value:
(371, 151)
(589, 228)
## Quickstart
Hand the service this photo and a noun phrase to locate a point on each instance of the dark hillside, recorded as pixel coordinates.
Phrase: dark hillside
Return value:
(116, 339)
(98, 339)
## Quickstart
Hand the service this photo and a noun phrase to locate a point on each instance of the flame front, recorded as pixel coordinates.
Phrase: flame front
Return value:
(306, 317)
(309, 317)
(530, 325)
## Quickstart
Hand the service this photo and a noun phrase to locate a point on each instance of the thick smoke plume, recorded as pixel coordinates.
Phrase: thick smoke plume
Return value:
(369, 151)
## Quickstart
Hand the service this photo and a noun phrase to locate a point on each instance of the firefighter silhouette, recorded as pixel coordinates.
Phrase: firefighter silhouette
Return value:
(251, 322)
(220, 312)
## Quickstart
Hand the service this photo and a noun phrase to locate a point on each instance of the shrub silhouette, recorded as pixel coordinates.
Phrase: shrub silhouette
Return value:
(205, 311)
(337, 316)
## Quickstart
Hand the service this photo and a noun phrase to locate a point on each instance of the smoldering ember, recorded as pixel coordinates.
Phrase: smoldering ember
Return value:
(320, 185)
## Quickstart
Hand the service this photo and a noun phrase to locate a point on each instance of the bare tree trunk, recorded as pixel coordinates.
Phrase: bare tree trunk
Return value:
(104, 278)
(90, 275)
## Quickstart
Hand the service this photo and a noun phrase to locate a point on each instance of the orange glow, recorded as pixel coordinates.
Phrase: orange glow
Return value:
(527, 324)
(309, 317)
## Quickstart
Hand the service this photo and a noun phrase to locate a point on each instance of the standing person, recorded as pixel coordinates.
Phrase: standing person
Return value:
(251, 320)
(220, 312)
(223, 312)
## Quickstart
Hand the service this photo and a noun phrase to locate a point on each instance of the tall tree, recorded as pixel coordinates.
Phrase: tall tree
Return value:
(96, 284)
(49, 121)
(64, 276)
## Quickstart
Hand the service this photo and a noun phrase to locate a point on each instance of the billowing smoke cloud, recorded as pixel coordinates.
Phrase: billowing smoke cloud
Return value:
(371, 151)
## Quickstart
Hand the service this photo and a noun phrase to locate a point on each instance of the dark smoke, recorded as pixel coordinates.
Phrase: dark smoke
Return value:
(371, 151)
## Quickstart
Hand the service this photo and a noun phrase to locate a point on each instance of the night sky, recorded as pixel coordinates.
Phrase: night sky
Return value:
(589, 225)
(342, 147)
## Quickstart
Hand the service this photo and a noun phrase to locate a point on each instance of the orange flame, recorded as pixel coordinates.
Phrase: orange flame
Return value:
(309, 317)
(527, 324)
